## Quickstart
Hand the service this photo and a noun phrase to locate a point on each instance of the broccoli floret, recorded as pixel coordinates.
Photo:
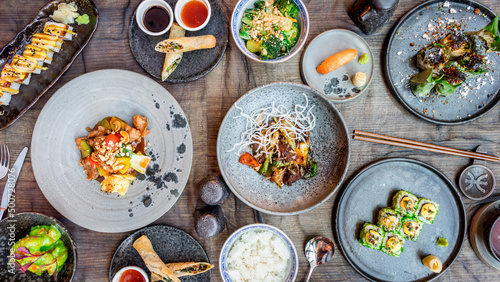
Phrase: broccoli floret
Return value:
(270, 48)
(245, 32)
(293, 34)
(285, 44)
(249, 15)
(260, 4)
(287, 8)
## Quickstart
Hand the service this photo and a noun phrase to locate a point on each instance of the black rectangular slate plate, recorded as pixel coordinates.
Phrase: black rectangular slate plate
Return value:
(40, 83)
(399, 63)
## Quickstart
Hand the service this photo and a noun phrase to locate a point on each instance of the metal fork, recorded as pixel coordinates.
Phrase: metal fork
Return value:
(4, 160)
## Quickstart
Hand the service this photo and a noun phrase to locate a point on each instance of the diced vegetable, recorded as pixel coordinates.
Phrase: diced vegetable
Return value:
(85, 149)
(249, 160)
(112, 141)
(93, 163)
(102, 172)
(105, 122)
(265, 166)
(253, 46)
(125, 162)
(139, 162)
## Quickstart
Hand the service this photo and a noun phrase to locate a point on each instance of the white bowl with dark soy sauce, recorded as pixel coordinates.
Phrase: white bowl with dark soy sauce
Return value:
(154, 17)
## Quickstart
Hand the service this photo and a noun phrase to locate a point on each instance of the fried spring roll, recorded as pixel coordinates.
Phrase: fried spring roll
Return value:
(152, 260)
(186, 44)
(189, 268)
(172, 59)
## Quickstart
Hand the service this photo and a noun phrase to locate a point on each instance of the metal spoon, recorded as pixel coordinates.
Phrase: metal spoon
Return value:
(318, 251)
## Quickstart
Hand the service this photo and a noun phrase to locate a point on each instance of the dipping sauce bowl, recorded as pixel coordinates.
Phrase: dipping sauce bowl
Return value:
(131, 273)
(154, 17)
(192, 15)
(494, 239)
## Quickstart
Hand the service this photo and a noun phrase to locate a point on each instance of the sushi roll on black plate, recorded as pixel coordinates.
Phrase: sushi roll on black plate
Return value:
(427, 210)
(389, 220)
(392, 244)
(371, 236)
(411, 227)
(405, 203)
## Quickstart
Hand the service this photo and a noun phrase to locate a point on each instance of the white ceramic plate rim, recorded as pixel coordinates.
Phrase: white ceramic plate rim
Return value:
(109, 217)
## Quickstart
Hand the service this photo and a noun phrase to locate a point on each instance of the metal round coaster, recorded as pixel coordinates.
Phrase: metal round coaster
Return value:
(478, 232)
(477, 182)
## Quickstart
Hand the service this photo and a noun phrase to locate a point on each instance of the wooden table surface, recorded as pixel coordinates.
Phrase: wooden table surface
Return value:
(205, 103)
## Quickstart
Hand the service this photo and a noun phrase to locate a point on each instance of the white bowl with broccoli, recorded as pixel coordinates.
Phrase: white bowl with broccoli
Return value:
(270, 31)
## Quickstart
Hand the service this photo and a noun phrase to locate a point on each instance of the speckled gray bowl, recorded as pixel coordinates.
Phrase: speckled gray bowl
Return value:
(20, 225)
(329, 140)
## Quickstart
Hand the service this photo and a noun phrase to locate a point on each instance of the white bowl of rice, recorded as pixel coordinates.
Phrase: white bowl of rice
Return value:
(258, 253)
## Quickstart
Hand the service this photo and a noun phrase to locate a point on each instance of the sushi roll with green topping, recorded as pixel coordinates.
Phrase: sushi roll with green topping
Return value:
(392, 244)
(405, 203)
(427, 210)
(371, 236)
(411, 227)
(389, 220)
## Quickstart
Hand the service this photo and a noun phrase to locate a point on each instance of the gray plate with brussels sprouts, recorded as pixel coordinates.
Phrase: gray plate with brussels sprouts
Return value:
(420, 27)
(373, 188)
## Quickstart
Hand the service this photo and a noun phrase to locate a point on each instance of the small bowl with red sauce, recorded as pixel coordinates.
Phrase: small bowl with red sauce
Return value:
(494, 239)
(131, 274)
(154, 17)
(192, 15)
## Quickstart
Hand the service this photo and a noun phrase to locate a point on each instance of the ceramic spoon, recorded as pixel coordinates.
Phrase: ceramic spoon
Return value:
(318, 251)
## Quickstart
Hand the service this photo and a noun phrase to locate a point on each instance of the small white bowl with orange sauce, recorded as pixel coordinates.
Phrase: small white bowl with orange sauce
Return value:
(192, 15)
(131, 273)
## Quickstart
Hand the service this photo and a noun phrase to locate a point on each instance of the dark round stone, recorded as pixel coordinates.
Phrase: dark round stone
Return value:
(209, 221)
(213, 190)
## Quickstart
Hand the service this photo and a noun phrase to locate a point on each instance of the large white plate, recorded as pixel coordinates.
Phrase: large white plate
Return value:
(82, 103)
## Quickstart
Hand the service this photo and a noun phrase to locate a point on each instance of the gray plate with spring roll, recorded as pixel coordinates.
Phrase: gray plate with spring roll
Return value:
(171, 245)
(372, 189)
(418, 28)
(194, 64)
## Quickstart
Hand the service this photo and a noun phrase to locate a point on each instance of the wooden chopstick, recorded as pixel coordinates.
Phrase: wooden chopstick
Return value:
(395, 141)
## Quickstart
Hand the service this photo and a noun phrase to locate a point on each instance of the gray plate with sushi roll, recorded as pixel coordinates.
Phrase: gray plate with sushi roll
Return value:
(420, 27)
(373, 189)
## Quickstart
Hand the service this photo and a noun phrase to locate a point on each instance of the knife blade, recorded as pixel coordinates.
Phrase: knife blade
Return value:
(10, 185)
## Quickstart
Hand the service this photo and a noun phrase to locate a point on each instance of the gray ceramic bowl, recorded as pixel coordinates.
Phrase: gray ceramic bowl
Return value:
(239, 10)
(329, 140)
(20, 225)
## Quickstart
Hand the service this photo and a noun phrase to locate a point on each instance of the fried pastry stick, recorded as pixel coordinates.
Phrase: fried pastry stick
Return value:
(186, 44)
(144, 247)
(172, 60)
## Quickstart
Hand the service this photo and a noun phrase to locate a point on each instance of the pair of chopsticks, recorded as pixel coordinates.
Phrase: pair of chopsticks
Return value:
(395, 141)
